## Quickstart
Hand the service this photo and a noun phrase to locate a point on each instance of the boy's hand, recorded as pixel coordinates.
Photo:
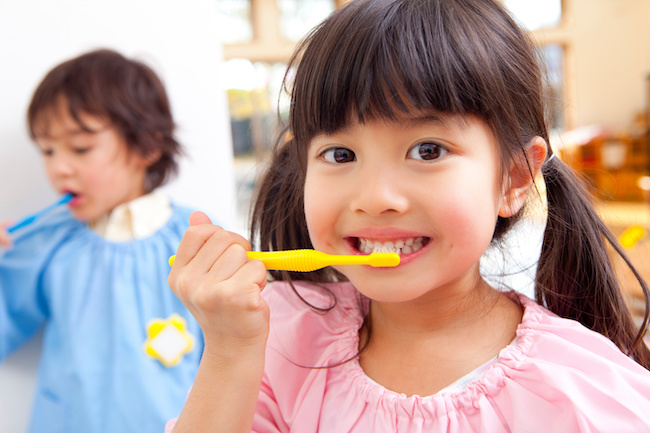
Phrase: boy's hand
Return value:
(5, 239)
(221, 287)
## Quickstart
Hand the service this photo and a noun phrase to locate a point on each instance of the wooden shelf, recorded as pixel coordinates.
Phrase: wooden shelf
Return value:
(613, 165)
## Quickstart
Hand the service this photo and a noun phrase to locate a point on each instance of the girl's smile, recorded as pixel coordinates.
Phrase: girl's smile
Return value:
(399, 246)
(407, 244)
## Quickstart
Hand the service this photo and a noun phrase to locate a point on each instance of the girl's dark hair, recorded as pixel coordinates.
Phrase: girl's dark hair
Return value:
(377, 59)
(126, 93)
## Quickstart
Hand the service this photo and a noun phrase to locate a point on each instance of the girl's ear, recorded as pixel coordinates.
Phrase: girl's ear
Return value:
(520, 180)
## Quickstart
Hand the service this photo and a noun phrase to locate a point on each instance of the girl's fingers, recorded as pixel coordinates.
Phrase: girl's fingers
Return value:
(211, 253)
(240, 292)
(193, 240)
(206, 256)
(229, 262)
(203, 243)
(233, 310)
(201, 228)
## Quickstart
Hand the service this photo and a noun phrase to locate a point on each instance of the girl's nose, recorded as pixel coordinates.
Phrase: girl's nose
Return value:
(380, 192)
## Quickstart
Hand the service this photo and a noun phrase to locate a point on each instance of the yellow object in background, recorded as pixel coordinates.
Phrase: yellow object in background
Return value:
(632, 235)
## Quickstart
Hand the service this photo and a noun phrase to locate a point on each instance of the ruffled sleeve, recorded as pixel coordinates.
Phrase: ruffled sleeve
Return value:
(304, 346)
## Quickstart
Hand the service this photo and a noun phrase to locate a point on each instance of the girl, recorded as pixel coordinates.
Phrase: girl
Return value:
(94, 275)
(418, 127)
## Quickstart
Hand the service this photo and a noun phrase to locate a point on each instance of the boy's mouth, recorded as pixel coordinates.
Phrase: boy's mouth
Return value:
(75, 198)
(399, 246)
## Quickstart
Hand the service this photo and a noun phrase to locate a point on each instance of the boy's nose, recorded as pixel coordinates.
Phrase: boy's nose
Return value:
(60, 165)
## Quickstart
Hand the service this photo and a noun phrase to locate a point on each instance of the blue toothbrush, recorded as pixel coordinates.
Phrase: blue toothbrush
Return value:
(33, 217)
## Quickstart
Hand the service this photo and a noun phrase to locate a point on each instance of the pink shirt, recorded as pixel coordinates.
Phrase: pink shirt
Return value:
(557, 377)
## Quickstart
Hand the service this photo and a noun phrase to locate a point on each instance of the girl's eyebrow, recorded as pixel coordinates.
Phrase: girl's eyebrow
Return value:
(430, 118)
(422, 119)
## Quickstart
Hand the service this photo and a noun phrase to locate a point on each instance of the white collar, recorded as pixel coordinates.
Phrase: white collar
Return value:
(136, 219)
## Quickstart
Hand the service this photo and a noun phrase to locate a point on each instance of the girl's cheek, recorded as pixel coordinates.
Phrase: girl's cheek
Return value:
(314, 224)
(319, 216)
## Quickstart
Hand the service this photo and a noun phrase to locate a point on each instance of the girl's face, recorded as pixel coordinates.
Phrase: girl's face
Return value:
(428, 187)
(96, 167)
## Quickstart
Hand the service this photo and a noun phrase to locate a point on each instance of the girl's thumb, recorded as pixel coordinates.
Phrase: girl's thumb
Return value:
(198, 217)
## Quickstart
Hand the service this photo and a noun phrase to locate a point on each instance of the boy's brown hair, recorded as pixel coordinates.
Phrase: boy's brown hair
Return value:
(126, 93)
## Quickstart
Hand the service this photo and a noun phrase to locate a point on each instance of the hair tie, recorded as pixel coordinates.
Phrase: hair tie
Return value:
(550, 158)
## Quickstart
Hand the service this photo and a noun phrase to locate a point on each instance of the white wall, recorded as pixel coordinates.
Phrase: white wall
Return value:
(179, 39)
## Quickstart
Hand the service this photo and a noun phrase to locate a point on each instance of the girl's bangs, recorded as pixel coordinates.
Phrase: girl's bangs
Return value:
(396, 62)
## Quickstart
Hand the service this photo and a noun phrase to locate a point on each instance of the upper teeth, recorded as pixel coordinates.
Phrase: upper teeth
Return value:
(402, 246)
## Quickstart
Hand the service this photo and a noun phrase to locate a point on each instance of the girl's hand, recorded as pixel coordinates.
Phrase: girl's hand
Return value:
(221, 287)
(5, 239)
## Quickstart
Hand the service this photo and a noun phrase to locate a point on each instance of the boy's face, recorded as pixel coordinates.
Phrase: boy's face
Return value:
(96, 167)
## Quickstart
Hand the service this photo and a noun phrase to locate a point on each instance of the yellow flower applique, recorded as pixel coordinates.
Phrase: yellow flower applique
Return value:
(168, 340)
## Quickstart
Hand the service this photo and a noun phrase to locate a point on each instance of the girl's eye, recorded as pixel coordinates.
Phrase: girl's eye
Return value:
(338, 155)
(427, 151)
(81, 150)
(47, 152)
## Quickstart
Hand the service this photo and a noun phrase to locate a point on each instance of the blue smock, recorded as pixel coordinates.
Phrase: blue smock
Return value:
(95, 299)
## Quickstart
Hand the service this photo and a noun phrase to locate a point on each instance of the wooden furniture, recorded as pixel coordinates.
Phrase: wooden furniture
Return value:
(613, 164)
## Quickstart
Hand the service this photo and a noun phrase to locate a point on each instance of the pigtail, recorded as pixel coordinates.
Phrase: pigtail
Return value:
(575, 275)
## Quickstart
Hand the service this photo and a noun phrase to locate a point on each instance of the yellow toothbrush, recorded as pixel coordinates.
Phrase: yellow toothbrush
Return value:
(311, 260)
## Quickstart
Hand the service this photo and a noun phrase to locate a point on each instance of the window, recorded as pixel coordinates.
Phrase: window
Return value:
(553, 59)
(235, 21)
(259, 38)
(544, 19)
(253, 100)
(298, 17)
(536, 14)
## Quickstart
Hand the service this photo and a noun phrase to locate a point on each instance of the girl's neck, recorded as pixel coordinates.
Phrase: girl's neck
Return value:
(422, 347)
(438, 310)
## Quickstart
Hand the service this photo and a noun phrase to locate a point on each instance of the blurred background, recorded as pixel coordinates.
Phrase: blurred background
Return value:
(223, 62)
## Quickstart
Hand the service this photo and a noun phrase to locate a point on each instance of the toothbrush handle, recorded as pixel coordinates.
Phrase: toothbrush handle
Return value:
(299, 260)
(292, 260)
(304, 260)
(22, 223)
(311, 260)
(31, 218)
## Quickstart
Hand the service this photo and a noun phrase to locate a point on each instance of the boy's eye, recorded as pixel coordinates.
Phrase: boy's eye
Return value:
(338, 155)
(427, 151)
(47, 152)
(81, 150)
